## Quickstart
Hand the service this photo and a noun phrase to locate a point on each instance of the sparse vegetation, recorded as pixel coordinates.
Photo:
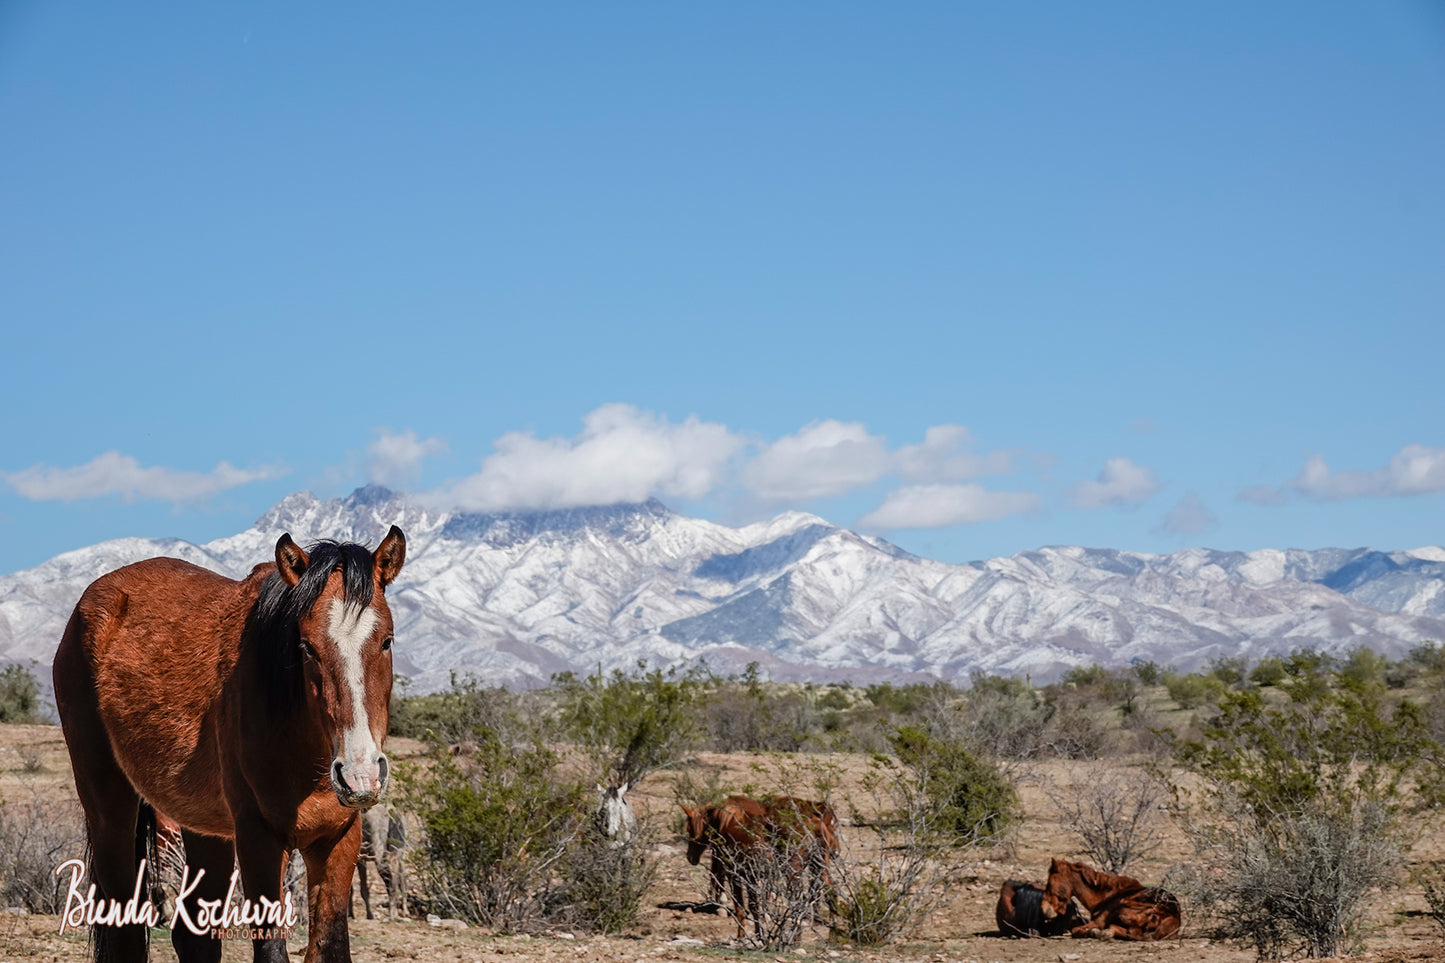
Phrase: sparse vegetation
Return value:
(20, 695)
(1115, 811)
(1299, 820)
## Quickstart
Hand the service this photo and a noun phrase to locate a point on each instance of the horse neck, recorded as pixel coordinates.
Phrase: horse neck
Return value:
(1094, 888)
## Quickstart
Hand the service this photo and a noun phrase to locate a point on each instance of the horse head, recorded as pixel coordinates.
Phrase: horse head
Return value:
(344, 632)
(615, 818)
(694, 827)
(1058, 889)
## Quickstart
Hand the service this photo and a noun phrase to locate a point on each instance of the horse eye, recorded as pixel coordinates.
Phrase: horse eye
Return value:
(307, 650)
(386, 643)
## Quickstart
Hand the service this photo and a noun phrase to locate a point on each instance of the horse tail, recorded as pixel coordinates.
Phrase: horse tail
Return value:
(147, 847)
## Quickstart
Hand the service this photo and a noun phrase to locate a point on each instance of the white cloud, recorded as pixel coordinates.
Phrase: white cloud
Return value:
(621, 455)
(395, 459)
(946, 455)
(115, 474)
(1120, 483)
(1413, 470)
(1189, 517)
(937, 506)
(824, 458)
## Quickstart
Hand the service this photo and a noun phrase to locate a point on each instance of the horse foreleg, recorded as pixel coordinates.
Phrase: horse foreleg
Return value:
(215, 857)
(262, 858)
(329, 864)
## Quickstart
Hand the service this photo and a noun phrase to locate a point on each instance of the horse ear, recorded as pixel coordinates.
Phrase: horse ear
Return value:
(291, 561)
(389, 556)
(622, 789)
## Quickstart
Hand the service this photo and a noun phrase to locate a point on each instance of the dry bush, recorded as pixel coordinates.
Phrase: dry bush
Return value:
(1299, 887)
(882, 890)
(604, 881)
(496, 825)
(1115, 812)
(1300, 806)
(35, 837)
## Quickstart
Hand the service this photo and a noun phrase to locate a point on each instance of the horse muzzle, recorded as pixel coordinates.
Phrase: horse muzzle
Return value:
(359, 786)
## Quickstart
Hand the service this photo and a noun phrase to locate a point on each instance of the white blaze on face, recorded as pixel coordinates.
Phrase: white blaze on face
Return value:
(350, 628)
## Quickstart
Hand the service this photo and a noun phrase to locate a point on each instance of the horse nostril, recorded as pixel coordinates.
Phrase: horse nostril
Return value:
(382, 766)
(337, 777)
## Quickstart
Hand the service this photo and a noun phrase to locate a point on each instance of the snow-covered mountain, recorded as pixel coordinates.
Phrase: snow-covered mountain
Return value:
(515, 597)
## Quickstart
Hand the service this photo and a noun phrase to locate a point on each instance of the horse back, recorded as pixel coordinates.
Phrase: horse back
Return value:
(148, 650)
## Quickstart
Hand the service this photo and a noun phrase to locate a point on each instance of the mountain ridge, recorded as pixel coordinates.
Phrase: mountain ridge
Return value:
(513, 597)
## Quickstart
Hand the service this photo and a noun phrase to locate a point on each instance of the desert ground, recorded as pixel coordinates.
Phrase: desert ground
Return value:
(34, 771)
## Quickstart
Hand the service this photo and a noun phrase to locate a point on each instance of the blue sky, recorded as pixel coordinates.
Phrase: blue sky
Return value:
(974, 277)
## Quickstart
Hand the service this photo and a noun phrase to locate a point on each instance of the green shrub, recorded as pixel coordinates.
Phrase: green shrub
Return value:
(1301, 802)
(1193, 690)
(632, 724)
(497, 823)
(971, 797)
(1229, 670)
(1005, 717)
(19, 695)
(1149, 673)
(1268, 671)
(459, 713)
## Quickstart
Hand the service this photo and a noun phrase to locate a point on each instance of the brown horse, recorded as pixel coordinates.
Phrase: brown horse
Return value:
(251, 713)
(745, 834)
(1119, 906)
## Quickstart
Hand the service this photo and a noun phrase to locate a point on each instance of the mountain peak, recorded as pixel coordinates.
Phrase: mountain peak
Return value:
(501, 529)
(369, 495)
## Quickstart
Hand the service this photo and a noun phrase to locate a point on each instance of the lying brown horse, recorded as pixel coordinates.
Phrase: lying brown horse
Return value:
(1119, 906)
(251, 713)
(745, 835)
(1020, 912)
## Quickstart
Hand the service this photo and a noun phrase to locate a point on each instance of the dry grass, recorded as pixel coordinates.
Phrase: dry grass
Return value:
(960, 929)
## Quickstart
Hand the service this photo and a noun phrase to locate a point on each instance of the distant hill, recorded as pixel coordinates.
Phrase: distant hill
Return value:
(514, 597)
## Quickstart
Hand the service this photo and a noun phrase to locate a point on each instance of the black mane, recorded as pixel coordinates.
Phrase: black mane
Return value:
(1028, 904)
(273, 626)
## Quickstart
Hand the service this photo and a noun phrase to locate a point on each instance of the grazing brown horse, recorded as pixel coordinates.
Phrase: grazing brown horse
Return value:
(1020, 912)
(1119, 906)
(250, 713)
(744, 834)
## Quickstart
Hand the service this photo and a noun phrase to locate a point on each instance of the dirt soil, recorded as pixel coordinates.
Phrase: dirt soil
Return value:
(34, 769)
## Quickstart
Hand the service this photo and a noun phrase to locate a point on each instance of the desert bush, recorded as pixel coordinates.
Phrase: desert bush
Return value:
(1230, 670)
(1301, 805)
(881, 892)
(35, 837)
(20, 695)
(1428, 657)
(1268, 671)
(1149, 673)
(1077, 729)
(497, 823)
(746, 714)
(1193, 690)
(631, 723)
(460, 712)
(604, 882)
(1114, 811)
(970, 796)
(1005, 717)
(1363, 668)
